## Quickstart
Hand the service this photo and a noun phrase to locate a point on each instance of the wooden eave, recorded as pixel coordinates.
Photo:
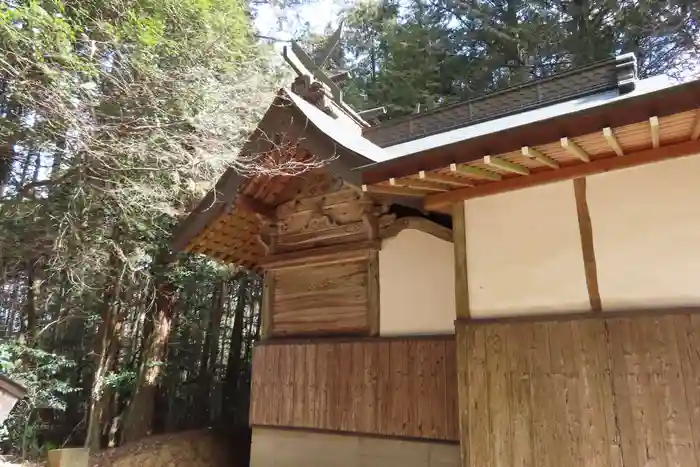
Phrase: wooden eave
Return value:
(661, 103)
(647, 128)
(226, 224)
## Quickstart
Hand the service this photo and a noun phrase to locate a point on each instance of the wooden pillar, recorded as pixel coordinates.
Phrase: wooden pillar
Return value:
(461, 328)
(266, 306)
(70, 457)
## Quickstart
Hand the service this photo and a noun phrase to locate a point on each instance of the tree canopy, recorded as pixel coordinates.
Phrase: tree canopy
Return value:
(116, 116)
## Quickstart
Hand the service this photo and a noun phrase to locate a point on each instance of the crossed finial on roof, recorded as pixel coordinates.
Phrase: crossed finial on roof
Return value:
(311, 77)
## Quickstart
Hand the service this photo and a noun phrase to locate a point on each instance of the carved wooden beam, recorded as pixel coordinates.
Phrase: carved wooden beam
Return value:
(253, 205)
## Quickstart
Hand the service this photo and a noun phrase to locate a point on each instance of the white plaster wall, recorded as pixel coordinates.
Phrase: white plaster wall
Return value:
(524, 253)
(298, 448)
(416, 285)
(646, 234)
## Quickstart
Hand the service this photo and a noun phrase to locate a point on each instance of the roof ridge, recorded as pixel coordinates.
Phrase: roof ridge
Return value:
(619, 72)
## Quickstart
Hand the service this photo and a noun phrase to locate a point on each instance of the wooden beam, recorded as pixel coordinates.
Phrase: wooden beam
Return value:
(459, 239)
(567, 173)
(321, 255)
(463, 331)
(695, 134)
(268, 299)
(533, 153)
(418, 184)
(587, 247)
(508, 166)
(574, 149)
(610, 137)
(246, 203)
(373, 308)
(416, 223)
(442, 178)
(475, 172)
(654, 126)
(393, 190)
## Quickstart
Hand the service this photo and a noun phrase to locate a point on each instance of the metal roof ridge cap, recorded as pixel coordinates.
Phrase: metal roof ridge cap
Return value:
(598, 64)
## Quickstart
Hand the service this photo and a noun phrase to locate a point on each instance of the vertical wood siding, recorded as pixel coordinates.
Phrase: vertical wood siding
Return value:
(402, 388)
(618, 392)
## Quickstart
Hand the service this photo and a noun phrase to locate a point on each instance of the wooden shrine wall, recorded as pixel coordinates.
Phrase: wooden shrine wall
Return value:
(393, 387)
(322, 299)
(598, 392)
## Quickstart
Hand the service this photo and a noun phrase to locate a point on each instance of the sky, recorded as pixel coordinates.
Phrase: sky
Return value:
(282, 24)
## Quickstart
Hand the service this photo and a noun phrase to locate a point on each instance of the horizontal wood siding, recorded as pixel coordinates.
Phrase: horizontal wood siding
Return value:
(321, 299)
(397, 387)
(618, 392)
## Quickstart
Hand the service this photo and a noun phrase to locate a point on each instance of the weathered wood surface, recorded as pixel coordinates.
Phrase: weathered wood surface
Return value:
(404, 388)
(618, 392)
(321, 299)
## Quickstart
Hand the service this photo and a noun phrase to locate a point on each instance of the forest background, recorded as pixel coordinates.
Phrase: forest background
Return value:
(116, 116)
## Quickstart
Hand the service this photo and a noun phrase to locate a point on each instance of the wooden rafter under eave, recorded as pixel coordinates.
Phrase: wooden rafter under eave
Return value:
(439, 201)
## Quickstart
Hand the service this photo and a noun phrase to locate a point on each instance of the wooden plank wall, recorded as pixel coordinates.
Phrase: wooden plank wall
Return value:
(393, 387)
(620, 392)
(321, 299)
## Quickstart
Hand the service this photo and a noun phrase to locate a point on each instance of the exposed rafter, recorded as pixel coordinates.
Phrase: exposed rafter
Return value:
(655, 138)
(475, 172)
(610, 137)
(695, 134)
(442, 178)
(533, 153)
(393, 190)
(508, 166)
(575, 150)
(249, 204)
(440, 200)
(422, 184)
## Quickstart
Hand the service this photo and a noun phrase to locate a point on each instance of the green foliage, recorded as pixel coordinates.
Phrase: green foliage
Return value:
(43, 374)
(429, 53)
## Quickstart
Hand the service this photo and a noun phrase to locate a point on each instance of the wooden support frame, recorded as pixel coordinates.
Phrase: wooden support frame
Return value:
(587, 246)
(439, 201)
(266, 305)
(655, 130)
(540, 157)
(393, 190)
(459, 239)
(417, 184)
(574, 149)
(610, 137)
(459, 235)
(255, 206)
(475, 172)
(505, 165)
(695, 133)
(321, 255)
(442, 178)
(373, 304)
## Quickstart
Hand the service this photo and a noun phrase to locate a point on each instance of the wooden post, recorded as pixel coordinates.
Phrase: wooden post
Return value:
(267, 302)
(459, 241)
(70, 457)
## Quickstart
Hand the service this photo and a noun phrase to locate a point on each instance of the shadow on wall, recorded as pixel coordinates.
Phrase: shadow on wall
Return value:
(203, 448)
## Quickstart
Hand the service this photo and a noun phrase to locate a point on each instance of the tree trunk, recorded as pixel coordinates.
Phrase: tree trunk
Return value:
(138, 421)
(233, 365)
(210, 348)
(106, 353)
(28, 323)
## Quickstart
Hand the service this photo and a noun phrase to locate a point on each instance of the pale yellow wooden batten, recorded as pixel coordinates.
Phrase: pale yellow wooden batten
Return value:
(654, 126)
(442, 178)
(505, 165)
(575, 150)
(475, 172)
(533, 153)
(610, 137)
